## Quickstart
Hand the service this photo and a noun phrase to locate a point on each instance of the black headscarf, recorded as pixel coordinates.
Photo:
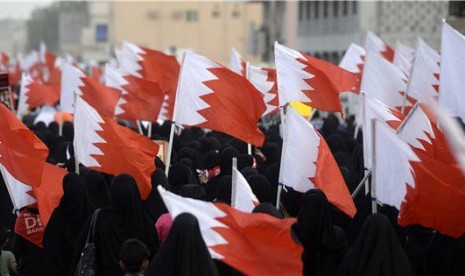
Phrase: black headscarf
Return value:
(324, 244)
(180, 175)
(269, 209)
(260, 187)
(154, 205)
(183, 252)
(376, 251)
(123, 219)
(97, 189)
(66, 223)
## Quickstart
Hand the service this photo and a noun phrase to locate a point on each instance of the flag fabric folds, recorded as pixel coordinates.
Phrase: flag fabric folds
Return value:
(254, 244)
(307, 162)
(208, 97)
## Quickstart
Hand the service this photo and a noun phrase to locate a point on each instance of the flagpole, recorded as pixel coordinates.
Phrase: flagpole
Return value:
(170, 148)
(408, 83)
(374, 207)
(402, 125)
(149, 131)
(280, 185)
(361, 184)
(247, 66)
(76, 159)
(139, 127)
(233, 182)
(60, 126)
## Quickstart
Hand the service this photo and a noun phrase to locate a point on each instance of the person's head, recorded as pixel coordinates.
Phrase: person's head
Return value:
(134, 256)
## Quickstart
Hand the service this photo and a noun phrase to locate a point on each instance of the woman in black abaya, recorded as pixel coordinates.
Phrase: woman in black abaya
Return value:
(376, 251)
(183, 252)
(123, 219)
(324, 243)
(65, 224)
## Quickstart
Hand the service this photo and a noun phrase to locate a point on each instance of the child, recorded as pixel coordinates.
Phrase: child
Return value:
(134, 257)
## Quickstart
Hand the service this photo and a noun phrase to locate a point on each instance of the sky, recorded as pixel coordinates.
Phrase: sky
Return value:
(20, 9)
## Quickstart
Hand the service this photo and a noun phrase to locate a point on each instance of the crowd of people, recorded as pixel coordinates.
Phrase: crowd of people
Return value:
(138, 237)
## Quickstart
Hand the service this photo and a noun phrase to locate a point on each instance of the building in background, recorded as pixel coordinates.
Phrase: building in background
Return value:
(208, 28)
(326, 28)
(456, 16)
(97, 37)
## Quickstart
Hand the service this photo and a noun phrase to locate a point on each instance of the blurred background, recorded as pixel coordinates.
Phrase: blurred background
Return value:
(92, 29)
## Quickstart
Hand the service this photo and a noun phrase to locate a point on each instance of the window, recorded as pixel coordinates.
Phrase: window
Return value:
(325, 9)
(192, 15)
(301, 10)
(335, 8)
(317, 9)
(236, 14)
(101, 33)
(309, 8)
(345, 6)
(215, 13)
(354, 7)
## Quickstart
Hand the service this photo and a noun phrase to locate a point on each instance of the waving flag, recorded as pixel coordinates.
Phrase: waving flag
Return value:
(141, 99)
(264, 79)
(33, 94)
(424, 80)
(154, 66)
(99, 96)
(207, 97)
(425, 190)
(376, 45)
(403, 58)
(452, 81)
(254, 244)
(242, 196)
(353, 61)
(385, 82)
(307, 162)
(310, 80)
(453, 133)
(238, 63)
(371, 108)
(103, 145)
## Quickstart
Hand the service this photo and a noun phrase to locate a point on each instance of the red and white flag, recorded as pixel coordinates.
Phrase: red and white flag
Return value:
(310, 80)
(385, 82)
(264, 79)
(100, 143)
(454, 134)
(237, 63)
(307, 162)
(155, 66)
(99, 96)
(207, 97)
(32, 94)
(403, 58)
(22, 154)
(375, 44)
(452, 82)
(371, 109)
(141, 99)
(253, 244)
(242, 195)
(426, 190)
(353, 61)
(424, 80)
